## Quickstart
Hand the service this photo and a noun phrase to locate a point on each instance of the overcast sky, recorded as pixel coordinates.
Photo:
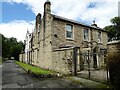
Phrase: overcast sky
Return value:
(19, 15)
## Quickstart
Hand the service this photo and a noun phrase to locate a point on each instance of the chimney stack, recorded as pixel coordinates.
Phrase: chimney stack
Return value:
(47, 7)
(38, 18)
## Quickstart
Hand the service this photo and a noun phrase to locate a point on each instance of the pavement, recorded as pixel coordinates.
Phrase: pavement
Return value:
(98, 75)
(87, 83)
(13, 76)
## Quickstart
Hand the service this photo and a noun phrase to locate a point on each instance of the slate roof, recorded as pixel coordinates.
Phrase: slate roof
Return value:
(76, 22)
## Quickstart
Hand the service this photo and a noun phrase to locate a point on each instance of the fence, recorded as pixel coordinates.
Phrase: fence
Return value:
(91, 64)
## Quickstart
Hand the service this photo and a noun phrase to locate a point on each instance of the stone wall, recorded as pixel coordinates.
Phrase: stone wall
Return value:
(59, 38)
(62, 60)
(42, 49)
(113, 60)
(59, 30)
(113, 47)
(22, 57)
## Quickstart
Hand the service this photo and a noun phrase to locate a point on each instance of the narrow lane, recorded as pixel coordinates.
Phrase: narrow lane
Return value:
(13, 76)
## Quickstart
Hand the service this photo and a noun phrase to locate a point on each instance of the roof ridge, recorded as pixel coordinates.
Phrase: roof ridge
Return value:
(74, 21)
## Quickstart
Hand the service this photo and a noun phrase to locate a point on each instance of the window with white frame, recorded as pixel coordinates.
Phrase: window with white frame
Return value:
(86, 34)
(69, 31)
(99, 37)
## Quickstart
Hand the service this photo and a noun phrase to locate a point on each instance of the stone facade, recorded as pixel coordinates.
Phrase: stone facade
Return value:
(113, 47)
(62, 60)
(27, 46)
(54, 38)
(22, 57)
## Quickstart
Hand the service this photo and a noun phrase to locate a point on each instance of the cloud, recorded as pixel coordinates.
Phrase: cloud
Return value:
(102, 12)
(73, 9)
(17, 29)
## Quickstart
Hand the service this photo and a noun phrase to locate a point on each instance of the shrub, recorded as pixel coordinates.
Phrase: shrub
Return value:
(114, 68)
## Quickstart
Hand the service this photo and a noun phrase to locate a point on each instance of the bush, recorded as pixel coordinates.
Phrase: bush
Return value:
(114, 69)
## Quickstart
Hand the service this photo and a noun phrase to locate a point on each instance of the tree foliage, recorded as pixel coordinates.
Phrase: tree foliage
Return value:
(11, 48)
(114, 29)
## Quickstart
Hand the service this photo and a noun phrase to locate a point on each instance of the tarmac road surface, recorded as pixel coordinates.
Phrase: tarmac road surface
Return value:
(13, 76)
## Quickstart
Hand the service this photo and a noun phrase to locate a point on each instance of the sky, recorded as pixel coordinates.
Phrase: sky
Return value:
(18, 16)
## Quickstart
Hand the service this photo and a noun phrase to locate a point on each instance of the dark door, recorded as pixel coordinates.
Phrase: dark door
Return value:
(94, 59)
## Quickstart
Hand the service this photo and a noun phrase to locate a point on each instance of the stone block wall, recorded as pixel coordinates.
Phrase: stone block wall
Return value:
(78, 34)
(104, 39)
(22, 57)
(42, 54)
(113, 47)
(62, 60)
(60, 30)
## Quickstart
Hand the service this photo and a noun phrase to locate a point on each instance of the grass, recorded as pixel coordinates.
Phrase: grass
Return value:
(34, 69)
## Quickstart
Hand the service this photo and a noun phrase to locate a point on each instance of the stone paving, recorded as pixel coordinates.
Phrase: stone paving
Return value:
(100, 75)
(87, 83)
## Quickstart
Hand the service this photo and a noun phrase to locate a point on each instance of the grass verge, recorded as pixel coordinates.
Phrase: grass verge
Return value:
(33, 69)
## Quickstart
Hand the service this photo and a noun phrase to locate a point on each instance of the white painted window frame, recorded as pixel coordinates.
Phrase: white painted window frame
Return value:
(99, 40)
(88, 34)
(72, 31)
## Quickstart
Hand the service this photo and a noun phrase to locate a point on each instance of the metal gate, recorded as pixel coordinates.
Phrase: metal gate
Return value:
(90, 63)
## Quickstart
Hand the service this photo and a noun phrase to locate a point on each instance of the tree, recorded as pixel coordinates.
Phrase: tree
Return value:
(5, 47)
(11, 48)
(16, 50)
(114, 29)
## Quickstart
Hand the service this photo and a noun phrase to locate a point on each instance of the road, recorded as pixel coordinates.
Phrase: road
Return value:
(13, 76)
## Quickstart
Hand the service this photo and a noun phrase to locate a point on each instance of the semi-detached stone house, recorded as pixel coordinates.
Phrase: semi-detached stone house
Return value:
(54, 38)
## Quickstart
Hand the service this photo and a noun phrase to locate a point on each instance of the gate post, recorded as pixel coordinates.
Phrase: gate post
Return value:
(75, 61)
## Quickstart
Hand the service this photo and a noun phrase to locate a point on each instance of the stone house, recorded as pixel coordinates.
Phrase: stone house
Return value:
(24, 56)
(27, 46)
(55, 38)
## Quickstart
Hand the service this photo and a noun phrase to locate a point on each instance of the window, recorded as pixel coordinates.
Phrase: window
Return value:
(99, 37)
(86, 34)
(69, 31)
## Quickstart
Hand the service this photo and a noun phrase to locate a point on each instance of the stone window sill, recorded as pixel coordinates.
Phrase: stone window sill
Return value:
(70, 39)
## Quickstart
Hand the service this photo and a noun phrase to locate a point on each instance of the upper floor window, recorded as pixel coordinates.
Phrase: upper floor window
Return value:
(99, 36)
(69, 31)
(86, 34)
